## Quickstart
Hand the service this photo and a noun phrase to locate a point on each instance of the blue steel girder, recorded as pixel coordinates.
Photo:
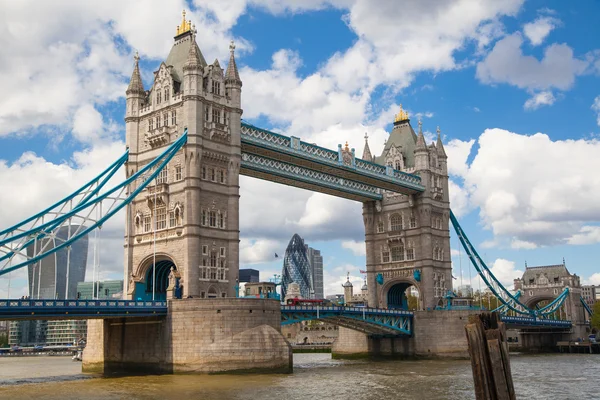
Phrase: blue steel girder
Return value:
(292, 150)
(371, 321)
(78, 309)
(529, 322)
(277, 171)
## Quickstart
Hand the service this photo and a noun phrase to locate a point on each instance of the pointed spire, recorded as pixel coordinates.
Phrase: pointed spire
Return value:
(420, 138)
(367, 151)
(135, 84)
(193, 59)
(232, 75)
(439, 145)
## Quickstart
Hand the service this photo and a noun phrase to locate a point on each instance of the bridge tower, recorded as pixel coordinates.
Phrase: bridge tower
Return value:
(186, 223)
(407, 236)
(545, 283)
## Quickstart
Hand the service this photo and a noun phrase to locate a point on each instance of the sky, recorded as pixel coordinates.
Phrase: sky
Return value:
(514, 87)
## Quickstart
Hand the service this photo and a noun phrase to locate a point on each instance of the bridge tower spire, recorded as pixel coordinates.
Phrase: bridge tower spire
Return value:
(367, 151)
(192, 209)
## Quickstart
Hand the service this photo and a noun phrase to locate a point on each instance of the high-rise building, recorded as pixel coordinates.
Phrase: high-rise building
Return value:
(54, 277)
(297, 268)
(316, 266)
(249, 275)
(48, 277)
(589, 294)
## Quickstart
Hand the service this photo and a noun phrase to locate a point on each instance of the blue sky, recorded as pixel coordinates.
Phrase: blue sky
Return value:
(513, 85)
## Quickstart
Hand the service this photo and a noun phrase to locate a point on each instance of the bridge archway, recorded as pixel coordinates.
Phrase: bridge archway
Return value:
(162, 270)
(402, 294)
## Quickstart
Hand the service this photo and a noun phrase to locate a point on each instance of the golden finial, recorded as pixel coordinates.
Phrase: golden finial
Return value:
(185, 25)
(346, 147)
(401, 116)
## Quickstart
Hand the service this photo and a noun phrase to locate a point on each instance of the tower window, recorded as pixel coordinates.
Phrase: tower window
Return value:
(157, 122)
(206, 113)
(150, 124)
(213, 259)
(221, 221)
(205, 250)
(222, 251)
(203, 217)
(221, 176)
(212, 219)
(413, 221)
(146, 223)
(203, 172)
(172, 221)
(161, 218)
(166, 94)
(380, 227)
(216, 116)
(165, 119)
(174, 118)
(397, 253)
(216, 87)
(396, 222)
(178, 174)
(385, 256)
(158, 97)
(162, 176)
(212, 174)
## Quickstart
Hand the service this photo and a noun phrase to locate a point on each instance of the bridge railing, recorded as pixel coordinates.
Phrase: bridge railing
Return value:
(41, 303)
(341, 309)
(536, 321)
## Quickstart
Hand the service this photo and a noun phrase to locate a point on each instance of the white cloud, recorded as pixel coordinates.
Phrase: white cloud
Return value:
(257, 251)
(537, 30)
(335, 277)
(525, 189)
(545, 98)
(458, 152)
(586, 235)
(506, 63)
(593, 280)
(357, 248)
(596, 108)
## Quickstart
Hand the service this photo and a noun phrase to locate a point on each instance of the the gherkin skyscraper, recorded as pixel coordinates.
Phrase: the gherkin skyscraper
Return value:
(296, 268)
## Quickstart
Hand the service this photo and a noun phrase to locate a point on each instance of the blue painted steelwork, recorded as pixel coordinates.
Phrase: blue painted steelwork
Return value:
(508, 299)
(369, 320)
(586, 306)
(536, 322)
(502, 308)
(79, 309)
(147, 174)
(292, 146)
(293, 172)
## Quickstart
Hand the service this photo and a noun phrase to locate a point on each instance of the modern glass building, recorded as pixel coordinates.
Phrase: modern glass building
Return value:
(316, 266)
(102, 290)
(297, 268)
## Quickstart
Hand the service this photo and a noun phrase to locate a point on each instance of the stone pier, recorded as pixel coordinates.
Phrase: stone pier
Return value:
(435, 334)
(197, 336)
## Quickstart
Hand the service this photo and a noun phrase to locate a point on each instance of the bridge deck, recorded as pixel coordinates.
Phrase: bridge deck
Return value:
(79, 309)
(271, 156)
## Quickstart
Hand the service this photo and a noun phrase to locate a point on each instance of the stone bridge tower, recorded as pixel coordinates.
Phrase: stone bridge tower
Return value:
(187, 221)
(407, 237)
(545, 283)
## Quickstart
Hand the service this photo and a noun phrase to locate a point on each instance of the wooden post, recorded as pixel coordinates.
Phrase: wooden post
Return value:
(490, 362)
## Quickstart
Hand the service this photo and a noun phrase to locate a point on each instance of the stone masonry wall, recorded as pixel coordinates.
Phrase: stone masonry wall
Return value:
(197, 336)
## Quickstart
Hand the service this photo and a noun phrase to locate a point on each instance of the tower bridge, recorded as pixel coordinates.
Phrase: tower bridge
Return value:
(186, 147)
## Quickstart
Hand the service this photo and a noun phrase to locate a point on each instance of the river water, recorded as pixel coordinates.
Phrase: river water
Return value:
(316, 376)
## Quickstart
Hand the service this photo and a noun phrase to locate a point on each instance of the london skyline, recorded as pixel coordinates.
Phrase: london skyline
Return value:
(511, 87)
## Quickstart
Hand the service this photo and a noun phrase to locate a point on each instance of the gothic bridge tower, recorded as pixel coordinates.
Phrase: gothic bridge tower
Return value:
(407, 237)
(184, 228)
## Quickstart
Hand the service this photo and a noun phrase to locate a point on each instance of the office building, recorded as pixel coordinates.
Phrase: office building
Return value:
(316, 266)
(249, 275)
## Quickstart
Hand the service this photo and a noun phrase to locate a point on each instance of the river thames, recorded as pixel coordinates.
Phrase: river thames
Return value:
(316, 376)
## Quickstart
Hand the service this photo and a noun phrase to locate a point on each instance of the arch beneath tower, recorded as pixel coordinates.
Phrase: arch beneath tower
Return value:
(158, 272)
(399, 294)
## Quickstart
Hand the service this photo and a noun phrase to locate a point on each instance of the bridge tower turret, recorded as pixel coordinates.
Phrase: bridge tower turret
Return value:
(187, 220)
(407, 236)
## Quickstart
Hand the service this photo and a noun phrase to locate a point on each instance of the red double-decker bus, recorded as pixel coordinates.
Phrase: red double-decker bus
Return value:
(304, 302)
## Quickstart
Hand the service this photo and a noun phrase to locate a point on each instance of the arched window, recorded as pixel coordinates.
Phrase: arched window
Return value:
(158, 97)
(221, 221)
(166, 94)
(395, 222)
(397, 253)
(165, 119)
(157, 122)
(212, 219)
(174, 118)
(380, 227)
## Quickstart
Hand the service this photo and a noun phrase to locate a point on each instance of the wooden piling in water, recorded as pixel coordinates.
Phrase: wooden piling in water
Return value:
(490, 362)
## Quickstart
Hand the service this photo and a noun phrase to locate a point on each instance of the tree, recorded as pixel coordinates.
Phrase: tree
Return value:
(3, 339)
(413, 302)
(595, 320)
